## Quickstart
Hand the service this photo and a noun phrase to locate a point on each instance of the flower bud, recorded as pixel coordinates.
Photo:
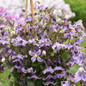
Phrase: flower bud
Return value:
(81, 69)
(44, 52)
(52, 54)
(55, 30)
(3, 60)
(8, 29)
(59, 11)
(12, 32)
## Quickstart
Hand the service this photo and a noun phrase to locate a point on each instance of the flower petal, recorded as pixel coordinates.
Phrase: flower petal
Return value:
(33, 59)
(39, 59)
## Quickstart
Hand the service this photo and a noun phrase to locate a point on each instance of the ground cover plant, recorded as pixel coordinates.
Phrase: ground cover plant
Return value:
(42, 50)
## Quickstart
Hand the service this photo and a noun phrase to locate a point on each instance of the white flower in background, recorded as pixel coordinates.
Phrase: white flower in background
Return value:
(59, 6)
(14, 6)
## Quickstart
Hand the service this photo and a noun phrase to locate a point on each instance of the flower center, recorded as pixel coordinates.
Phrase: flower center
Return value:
(81, 69)
(29, 71)
(35, 55)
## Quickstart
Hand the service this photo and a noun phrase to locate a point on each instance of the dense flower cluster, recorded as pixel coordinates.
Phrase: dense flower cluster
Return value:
(45, 51)
(60, 7)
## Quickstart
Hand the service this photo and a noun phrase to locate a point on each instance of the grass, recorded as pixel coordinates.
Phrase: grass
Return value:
(4, 75)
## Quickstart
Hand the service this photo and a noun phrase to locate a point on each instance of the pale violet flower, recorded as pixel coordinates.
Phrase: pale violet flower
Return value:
(80, 74)
(35, 55)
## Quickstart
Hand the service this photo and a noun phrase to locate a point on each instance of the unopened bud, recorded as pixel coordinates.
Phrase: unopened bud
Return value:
(52, 54)
(81, 69)
(13, 32)
(3, 60)
(44, 52)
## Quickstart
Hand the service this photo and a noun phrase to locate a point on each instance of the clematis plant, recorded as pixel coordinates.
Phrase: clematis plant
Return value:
(45, 51)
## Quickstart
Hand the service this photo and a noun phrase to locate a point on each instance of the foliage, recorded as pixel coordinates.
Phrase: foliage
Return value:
(41, 49)
(79, 7)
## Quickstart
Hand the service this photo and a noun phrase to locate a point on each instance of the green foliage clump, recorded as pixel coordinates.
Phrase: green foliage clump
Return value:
(79, 7)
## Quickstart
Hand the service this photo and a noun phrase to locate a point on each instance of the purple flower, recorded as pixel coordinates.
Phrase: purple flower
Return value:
(18, 57)
(33, 77)
(49, 77)
(29, 70)
(1, 68)
(49, 69)
(49, 82)
(65, 83)
(60, 75)
(32, 41)
(19, 41)
(28, 19)
(57, 46)
(80, 74)
(9, 76)
(58, 68)
(44, 42)
(12, 69)
(35, 55)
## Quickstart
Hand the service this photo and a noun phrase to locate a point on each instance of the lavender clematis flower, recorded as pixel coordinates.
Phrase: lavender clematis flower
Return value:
(44, 42)
(12, 69)
(49, 77)
(60, 75)
(48, 70)
(58, 68)
(33, 76)
(65, 83)
(19, 57)
(32, 41)
(19, 41)
(35, 55)
(29, 70)
(57, 46)
(49, 82)
(1, 68)
(80, 74)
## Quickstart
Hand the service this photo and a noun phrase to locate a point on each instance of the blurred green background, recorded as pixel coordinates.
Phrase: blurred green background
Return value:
(79, 7)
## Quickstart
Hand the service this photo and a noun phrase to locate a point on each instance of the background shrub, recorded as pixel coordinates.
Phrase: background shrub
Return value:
(79, 7)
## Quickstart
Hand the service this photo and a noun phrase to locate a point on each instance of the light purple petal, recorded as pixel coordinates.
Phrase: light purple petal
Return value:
(39, 59)
(33, 59)
(31, 53)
